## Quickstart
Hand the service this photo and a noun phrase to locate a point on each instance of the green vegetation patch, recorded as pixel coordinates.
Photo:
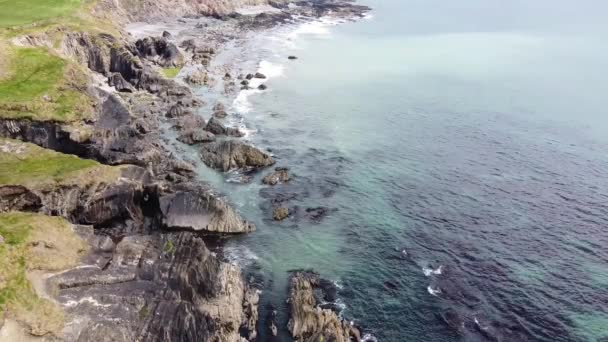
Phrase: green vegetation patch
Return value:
(30, 165)
(22, 12)
(171, 72)
(34, 242)
(40, 86)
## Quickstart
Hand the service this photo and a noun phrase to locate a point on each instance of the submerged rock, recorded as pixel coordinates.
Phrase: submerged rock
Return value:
(280, 175)
(309, 322)
(231, 154)
(279, 214)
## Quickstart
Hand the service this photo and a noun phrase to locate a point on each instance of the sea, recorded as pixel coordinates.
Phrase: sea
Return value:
(449, 163)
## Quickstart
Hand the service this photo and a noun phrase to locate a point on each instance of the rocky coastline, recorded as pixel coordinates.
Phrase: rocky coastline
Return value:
(150, 270)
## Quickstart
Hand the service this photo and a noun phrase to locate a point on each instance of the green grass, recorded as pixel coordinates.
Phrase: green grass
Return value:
(22, 12)
(18, 255)
(171, 72)
(40, 86)
(29, 165)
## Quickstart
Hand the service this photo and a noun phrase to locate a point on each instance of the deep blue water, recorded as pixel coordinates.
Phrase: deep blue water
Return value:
(467, 140)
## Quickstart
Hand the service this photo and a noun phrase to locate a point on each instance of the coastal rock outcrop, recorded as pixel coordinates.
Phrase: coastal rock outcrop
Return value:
(215, 126)
(231, 154)
(151, 284)
(308, 321)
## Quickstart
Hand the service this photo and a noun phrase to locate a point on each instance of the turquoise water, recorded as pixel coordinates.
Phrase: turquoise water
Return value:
(461, 149)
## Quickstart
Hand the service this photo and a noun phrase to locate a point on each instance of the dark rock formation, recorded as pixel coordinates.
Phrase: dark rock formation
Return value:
(280, 175)
(167, 35)
(259, 75)
(178, 110)
(231, 154)
(160, 52)
(262, 87)
(292, 57)
(215, 126)
(117, 81)
(309, 322)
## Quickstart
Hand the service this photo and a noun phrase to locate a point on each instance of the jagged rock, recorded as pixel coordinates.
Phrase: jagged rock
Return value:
(196, 136)
(116, 80)
(262, 87)
(231, 154)
(249, 77)
(215, 126)
(280, 175)
(279, 214)
(245, 82)
(167, 35)
(160, 52)
(259, 75)
(309, 322)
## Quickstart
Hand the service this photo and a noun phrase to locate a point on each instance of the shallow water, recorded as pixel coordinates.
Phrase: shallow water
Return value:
(462, 149)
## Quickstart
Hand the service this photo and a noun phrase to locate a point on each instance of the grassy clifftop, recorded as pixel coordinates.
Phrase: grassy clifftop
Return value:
(32, 166)
(22, 12)
(34, 242)
(39, 83)
(40, 86)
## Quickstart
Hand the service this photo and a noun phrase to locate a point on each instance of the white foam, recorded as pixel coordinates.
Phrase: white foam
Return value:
(240, 255)
(241, 103)
(429, 271)
(90, 300)
(369, 338)
(434, 292)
